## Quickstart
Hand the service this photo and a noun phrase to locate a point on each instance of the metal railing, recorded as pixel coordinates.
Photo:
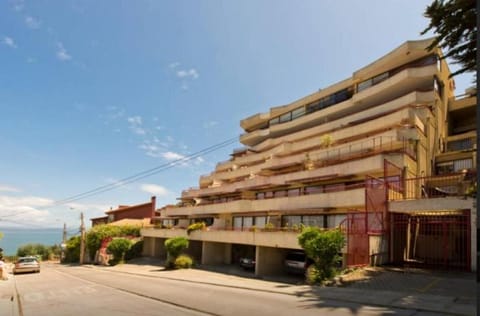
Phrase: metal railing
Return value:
(430, 187)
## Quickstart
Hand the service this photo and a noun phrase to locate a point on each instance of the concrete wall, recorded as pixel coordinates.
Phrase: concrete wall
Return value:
(378, 252)
(269, 261)
(216, 253)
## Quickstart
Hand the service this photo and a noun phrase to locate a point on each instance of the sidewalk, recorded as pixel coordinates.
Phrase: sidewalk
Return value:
(430, 292)
(8, 297)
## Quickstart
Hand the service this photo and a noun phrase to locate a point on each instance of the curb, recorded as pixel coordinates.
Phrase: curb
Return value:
(394, 301)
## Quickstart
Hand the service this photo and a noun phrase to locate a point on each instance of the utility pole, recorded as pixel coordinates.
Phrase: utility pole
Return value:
(64, 242)
(82, 239)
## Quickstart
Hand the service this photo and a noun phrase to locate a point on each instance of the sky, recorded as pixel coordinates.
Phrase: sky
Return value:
(93, 92)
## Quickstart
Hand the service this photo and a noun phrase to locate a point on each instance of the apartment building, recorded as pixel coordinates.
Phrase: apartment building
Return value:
(337, 158)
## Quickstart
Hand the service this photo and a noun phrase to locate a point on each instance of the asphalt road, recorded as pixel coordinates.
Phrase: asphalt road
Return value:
(78, 290)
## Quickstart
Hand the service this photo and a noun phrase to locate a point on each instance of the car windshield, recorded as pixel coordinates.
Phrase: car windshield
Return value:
(26, 260)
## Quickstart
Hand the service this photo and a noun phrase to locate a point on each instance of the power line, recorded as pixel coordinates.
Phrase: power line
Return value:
(135, 177)
(144, 174)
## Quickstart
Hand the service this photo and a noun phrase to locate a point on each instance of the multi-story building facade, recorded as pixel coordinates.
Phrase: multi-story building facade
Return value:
(318, 161)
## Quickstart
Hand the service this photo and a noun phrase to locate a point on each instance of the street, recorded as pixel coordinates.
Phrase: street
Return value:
(75, 290)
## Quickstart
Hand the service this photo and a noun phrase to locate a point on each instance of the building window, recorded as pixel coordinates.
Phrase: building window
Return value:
(269, 195)
(313, 189)
(293, 192)
(286, 117)
(298, 112)
(260, 221)
(237, 223)
(273, 121)
(281, 193)
(334, 221)
(260, 195)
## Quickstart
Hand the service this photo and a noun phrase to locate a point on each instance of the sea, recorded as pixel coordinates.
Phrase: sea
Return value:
(16, 237)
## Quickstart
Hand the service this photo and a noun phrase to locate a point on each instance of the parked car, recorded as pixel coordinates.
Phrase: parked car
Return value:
(296, 262)
(26, 264)
(247, 263)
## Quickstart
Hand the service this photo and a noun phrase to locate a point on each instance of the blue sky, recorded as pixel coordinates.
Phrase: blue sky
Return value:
(95, 91)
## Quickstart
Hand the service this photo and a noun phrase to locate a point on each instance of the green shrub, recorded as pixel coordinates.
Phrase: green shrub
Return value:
(72, 250)
(135, 250)
(323, 248)
(118, 247)
(196, 226)
(174, 247)
(97, 233)
(183, 262)
(44, 252)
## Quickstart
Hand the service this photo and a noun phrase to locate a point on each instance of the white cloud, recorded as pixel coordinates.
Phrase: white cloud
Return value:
(62, 53)
(18, 5)
(32, 23)
(31, 60)
(9, 42)
(11, 201)
(7, 188)
(135, 125)
(155, 189)
(170, 155)
(174, 65)
(136, 120)
(191, 73)
(210, 124)
(24, 208)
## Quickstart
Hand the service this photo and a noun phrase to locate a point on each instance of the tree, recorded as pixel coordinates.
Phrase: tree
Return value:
(454, 22)
(174, 247)
(118, 247)
(72, 250)
(98, 233)
(323, 248)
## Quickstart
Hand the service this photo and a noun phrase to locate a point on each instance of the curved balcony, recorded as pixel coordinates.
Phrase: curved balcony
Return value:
(255, 120)
(414, 97)
(333, 165)
(406, 81)
(340, 199)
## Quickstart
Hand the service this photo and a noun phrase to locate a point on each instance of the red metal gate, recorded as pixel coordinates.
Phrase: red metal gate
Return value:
(432, 240)
(357, 239)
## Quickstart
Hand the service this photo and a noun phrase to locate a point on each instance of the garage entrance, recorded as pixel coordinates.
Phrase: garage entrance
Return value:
(432, 239)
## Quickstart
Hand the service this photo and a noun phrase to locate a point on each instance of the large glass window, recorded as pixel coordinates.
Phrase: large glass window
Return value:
(313, 189)
(293, 192)
(313, 220)
(298, 112)
(334, 220)
(237, 222)
(274, 121)
(248, 222)
(459, 165)
(291, 220)
(286, 117)
(260, 221)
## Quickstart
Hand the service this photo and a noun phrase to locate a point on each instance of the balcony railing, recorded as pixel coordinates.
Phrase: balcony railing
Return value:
(462, 144)
(460, 184)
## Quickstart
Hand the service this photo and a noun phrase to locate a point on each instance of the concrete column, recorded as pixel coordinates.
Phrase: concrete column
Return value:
(214, 253)
(269, 261)
(148, 246)
(159, 248)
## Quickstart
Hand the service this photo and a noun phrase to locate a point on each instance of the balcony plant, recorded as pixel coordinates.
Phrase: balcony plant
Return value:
(269, 227)
(196, 226)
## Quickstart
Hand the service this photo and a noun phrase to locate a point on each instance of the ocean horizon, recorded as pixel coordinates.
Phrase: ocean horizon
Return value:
(14, 237)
